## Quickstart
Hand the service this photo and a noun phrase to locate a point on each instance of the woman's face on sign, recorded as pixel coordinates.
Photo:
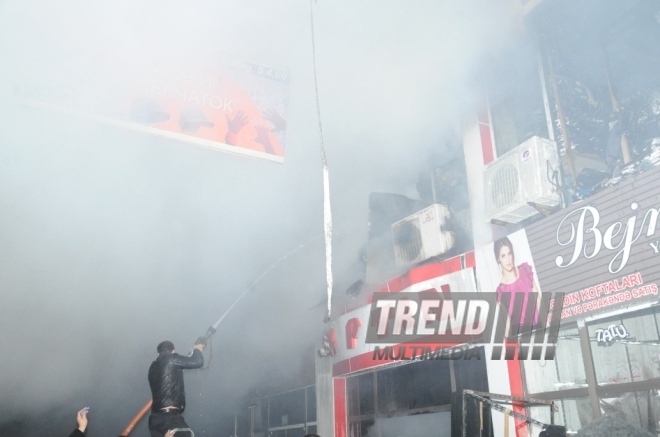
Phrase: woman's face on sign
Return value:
(505, 258)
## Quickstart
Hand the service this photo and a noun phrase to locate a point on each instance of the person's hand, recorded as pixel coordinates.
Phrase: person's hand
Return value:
(199, 347)
(169, 433)
(275, 118)
(234, 125)
(263, 137)
(81, 417)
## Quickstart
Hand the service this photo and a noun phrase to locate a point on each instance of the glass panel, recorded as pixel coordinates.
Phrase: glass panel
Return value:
(611, 362)
(416, 425)
(386, 395)
(364, 427)
(640, 408)
(572, 413)
(360, 390)
(412, 386)
(354, 429)
(626, 349)
(471, 374)
(643, 357)
(367, 393)
(287, 408)
(516, 99)
(295, 432)
(352, 395)
(359, 429)
(566, 371)
(311, 404)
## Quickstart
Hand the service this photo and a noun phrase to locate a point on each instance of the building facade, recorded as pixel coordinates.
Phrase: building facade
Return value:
(562, 160)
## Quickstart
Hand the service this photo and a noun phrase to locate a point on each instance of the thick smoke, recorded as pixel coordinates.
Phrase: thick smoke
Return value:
(112, 241)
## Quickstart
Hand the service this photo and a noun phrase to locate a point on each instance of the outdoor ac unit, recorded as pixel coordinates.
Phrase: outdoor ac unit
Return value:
(423, 235)
(519, 179)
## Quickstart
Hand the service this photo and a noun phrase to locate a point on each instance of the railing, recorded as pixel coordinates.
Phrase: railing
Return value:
(506, 404)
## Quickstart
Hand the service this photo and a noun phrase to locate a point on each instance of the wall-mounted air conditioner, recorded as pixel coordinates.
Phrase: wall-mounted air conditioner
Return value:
(423, 235)
(519, 183)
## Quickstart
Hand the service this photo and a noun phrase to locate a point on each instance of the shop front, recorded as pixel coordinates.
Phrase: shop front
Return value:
(603, 254)
(388, 389)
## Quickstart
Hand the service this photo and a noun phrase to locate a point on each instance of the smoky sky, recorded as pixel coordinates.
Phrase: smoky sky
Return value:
(112, 241)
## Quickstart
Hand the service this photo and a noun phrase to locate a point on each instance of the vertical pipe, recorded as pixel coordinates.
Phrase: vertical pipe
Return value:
(552, 413)
(251, 431)
(305, 390)
(376, 411)
(464, 406)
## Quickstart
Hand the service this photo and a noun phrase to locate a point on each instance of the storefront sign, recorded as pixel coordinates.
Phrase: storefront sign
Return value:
(605, 337)
(349, 332)
(604, 254)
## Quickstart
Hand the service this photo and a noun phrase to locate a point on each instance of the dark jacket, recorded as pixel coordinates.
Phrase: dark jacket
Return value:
(166, 379)
(77, 433)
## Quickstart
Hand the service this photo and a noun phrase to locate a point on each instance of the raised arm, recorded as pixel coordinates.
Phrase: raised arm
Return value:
(195, 361)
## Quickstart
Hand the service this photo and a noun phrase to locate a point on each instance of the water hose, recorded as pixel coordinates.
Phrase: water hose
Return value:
(213, 328)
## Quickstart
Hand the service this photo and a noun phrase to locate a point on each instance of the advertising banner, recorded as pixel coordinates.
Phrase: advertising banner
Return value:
(350, 330)
(602, 253)
(224, 103)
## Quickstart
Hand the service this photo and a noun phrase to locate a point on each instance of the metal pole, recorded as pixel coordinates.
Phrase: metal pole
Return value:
(305, 390)
(589, 370)
(552, 414)
(463, 430)
(251, 432)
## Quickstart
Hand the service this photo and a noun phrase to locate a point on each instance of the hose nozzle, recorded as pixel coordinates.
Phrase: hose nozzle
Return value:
(205, 338)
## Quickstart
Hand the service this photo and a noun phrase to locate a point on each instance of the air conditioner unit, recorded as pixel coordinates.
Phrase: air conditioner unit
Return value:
(518, 182)
(423, 235)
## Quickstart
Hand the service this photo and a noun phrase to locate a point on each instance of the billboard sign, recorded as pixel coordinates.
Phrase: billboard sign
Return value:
(224, 104)
(602, 253)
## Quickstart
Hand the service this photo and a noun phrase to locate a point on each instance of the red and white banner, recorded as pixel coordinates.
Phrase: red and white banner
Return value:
(350, 329)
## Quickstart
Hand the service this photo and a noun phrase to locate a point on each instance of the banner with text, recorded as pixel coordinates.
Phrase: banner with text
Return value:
(604, 253)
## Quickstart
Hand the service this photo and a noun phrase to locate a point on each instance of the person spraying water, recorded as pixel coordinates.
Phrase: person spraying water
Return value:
(167, 388)
(203, 340)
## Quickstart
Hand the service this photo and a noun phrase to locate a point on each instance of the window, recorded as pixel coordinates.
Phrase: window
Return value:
(383, 399)
(571, 413)
(515, 98)
(626, 359)
(566, 371)
(287, 408)
(471, 374)
(288, 414)
(634, 358)
(414, 386)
